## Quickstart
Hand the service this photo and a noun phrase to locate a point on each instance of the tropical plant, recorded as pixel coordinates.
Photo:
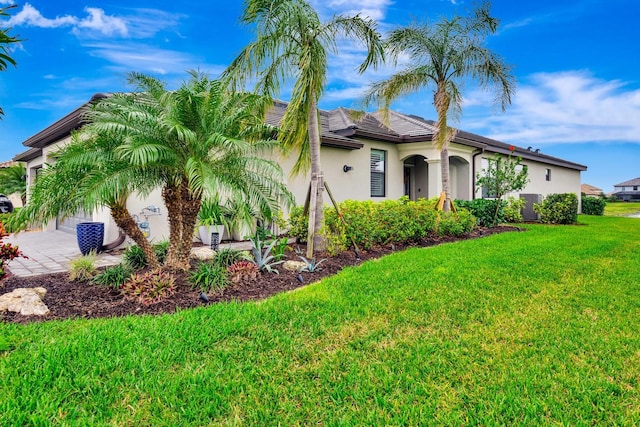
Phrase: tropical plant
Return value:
(513, 209)
(445, 56)
(593, 205)
(227, 256)
(261, 255)
(194, 142)
(5, 41)
(13, 181)
(89, 173)
(292, 42)
(242, 270)
(149, 287)
(209, 277)
(113, 276)
(83, 268)
(212, 213)
(311, 265)
(8, 252)
(503, 175)
(134, 257)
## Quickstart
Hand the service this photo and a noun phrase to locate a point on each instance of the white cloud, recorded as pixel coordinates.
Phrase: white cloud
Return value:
(374, 9)
(30, 16)
(563, 107)
(96, 21)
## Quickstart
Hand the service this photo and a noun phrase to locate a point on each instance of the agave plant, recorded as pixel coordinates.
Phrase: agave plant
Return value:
(311, 265)
(264, 260)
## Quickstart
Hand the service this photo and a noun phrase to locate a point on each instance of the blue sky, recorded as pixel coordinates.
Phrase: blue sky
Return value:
(576, 62)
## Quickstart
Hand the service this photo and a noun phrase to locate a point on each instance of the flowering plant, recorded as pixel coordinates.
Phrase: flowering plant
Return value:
(8, 252)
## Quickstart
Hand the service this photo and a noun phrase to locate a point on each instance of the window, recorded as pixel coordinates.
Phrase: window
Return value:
(378, 169)
(635, 188)
(488, 170)
(547, 175)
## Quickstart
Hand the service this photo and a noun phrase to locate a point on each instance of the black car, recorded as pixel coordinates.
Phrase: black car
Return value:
(5, 204)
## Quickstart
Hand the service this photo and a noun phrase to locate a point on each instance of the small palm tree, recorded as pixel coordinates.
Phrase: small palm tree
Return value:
(89, 174)
(196, 141)
(443, 56)
(292, 42)
(13, 180)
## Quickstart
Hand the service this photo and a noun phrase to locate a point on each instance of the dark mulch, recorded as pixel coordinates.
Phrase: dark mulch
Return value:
(66, 299)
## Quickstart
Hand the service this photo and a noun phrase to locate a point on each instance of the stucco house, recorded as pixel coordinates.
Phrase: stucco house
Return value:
(628, 191)
(361, 159)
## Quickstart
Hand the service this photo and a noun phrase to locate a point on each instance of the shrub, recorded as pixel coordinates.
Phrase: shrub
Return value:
(242, 270)
(484, 210)
(298, 224)
(209, 277)
(227, 256)
(456, 223)
(558, 209)
(114, 276)
(134, 257)
(513, 210)
(150, 287)
(593, 205)
(82, 268)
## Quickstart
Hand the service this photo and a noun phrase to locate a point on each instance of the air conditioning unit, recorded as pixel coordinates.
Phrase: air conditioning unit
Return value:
(528, 214)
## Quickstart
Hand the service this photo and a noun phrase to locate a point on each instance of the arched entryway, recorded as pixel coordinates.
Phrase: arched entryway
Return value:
(460, 178)
(416, 177)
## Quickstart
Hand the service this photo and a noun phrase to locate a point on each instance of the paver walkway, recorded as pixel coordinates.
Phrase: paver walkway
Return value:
(49, 252)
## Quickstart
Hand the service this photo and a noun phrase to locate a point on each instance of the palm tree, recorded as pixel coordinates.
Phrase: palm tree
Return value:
(443, 56)
(199, 140)
(5, 40)
(292, 42)
(13, 180)
(88, 174)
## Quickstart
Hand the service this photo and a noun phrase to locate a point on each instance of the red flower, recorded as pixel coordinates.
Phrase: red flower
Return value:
(512, 148)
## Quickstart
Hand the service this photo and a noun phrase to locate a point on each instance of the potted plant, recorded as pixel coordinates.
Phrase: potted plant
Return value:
(211, 219)
(241, 218)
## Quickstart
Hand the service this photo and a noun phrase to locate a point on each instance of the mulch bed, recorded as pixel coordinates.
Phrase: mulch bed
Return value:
(67, 299)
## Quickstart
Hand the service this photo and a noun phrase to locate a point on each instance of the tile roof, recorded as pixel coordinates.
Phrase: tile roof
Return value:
(339, 128)
(631, 182)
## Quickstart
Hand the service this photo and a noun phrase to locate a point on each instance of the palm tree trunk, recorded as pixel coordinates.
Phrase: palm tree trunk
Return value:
(173, 202)
(319, 243)
(125, 221)
(190, 209)
(441, 138)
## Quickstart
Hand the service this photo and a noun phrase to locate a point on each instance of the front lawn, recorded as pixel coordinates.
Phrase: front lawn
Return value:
(526, 328)
(621, 208)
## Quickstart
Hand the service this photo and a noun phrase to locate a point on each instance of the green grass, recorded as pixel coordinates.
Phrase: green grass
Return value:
(621, 208)
(533, 328)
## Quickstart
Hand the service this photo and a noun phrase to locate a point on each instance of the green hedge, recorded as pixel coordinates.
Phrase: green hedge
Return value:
(483, 210)
(593, 205)
(558, 209)
(371, 223)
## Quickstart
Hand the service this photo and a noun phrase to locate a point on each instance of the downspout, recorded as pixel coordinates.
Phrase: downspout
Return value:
(473, 171)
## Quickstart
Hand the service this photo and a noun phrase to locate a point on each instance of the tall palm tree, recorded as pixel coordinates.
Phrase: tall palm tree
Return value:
(195, 141)
(292, 42)
(13, 181)
(444, 56)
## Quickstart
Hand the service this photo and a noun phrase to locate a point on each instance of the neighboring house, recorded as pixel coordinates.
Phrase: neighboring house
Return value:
(628, 191)
(590, 190)
(361, 159)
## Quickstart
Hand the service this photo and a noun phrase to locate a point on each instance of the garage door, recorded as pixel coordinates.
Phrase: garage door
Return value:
(68, 225)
